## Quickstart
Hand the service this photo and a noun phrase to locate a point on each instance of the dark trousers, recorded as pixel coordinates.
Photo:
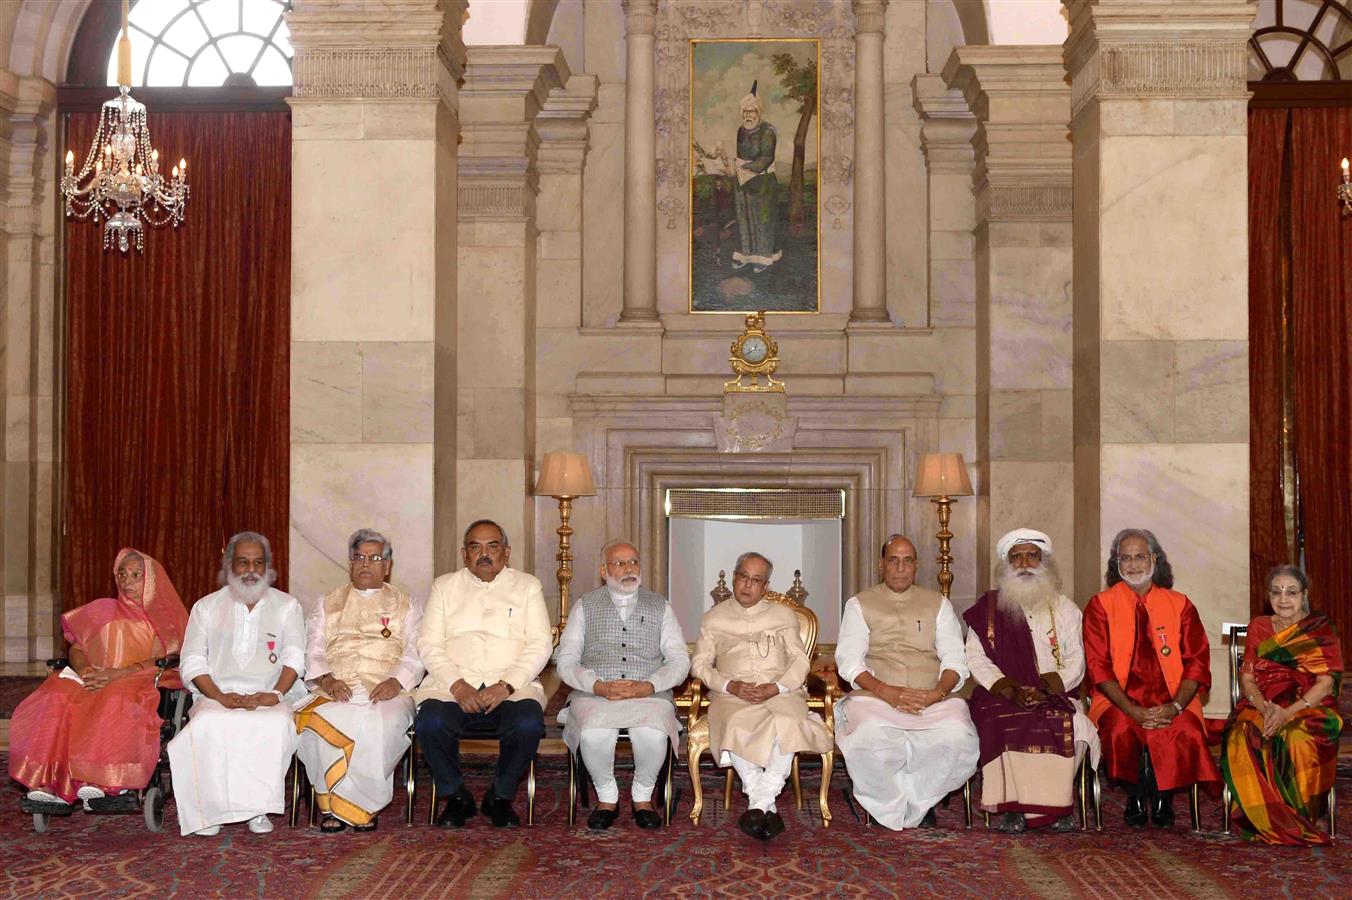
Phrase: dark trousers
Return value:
(517, 724)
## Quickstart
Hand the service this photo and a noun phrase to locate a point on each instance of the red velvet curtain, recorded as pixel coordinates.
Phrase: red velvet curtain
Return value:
(1304, 231)
(178, 412)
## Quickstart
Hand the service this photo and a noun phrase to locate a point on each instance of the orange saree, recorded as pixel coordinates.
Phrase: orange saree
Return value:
(63, 735)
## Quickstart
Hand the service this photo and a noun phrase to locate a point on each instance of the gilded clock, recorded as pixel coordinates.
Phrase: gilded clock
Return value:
(754, 355)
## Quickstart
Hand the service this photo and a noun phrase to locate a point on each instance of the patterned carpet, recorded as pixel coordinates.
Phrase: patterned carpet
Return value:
(115, 856)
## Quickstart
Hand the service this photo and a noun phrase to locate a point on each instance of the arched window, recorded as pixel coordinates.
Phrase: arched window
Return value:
(1301, 40)
(207, 43)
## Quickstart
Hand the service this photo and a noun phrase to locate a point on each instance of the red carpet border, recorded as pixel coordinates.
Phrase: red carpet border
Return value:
(114, 856)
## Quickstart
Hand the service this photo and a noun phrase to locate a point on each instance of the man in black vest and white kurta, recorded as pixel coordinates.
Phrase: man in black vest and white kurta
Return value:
(621, 652)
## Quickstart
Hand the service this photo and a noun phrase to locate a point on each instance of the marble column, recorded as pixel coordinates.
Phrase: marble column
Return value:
(373, 285)
(28, 189)
(1021, 180)
(1161, 422)
(946, 130)
(870, 177)
(640, 165)
(504, 91)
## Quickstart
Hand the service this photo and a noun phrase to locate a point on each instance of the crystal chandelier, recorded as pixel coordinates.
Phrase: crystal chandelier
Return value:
(1345, 189)
(120, 179)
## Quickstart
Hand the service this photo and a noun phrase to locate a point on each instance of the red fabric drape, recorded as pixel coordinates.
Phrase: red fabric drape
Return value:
(1320, 262)
(178, 411)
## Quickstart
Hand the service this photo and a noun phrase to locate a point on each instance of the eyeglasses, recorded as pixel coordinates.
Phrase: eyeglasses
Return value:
(374, 559)
(755, 582)
(1135, 558)
(623, 564)
(1288, 592)
(130, 576)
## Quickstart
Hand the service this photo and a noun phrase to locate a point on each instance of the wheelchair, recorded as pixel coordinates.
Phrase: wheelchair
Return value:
(175, 700)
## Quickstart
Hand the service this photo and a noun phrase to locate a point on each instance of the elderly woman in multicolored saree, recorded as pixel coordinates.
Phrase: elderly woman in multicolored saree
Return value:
(1281, 743)
(92, 729)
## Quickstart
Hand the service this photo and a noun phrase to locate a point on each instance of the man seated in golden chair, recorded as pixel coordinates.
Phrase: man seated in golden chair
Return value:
(752, 658)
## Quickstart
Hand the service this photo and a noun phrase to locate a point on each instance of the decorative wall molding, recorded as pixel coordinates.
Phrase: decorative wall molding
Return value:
(1159, 70)
(478, 200)
(368, 72)
(1023, 202)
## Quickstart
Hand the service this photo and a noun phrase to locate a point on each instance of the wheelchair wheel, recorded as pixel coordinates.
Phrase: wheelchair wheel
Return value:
(153, 809)
(40, 822)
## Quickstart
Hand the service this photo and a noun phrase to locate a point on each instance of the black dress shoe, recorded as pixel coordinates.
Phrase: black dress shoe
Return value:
(601, 819)
(1063, 825)
(647, 819)
(774, 826)
(931, 820)
(1135, 814)
(1162, 809)
(499, 810)
(752, 822)
(1012, 823)
(458, 810)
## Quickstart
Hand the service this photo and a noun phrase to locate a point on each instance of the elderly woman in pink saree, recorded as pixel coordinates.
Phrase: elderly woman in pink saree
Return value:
(92, 729)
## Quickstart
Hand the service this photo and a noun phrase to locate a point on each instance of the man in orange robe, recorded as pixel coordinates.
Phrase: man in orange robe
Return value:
(1148, 658)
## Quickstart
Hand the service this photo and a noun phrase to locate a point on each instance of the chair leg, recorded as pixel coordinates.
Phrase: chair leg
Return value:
(1333, 812)
(410, 774)
(310, 815)
(1195, 802)
(967, 803)
(572, 789)
(797, 785)
(727, 791)
(432, 810)
(1098, 801)
(692, 764)
(824, 795)
(530, 793)
(295, 793)
(1225, 808)
(666, 795)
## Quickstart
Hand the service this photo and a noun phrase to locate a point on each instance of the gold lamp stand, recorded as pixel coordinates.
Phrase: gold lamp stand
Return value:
(565, 477)
(941, 477)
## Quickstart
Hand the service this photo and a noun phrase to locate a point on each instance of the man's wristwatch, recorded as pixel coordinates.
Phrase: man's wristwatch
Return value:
(504, 683)
(278, 695)
(1178, 708)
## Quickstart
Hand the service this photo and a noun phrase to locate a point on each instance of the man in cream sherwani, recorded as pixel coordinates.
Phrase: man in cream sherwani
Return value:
(752, 658)
(362, 662)
(906, 738)
(486, 636)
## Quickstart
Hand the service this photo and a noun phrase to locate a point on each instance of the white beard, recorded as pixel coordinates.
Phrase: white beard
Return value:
(247, 592)
(1143, 579)
(624, 587)
(1026, 589)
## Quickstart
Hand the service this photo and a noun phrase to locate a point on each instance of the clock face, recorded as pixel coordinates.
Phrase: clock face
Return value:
(754, 349)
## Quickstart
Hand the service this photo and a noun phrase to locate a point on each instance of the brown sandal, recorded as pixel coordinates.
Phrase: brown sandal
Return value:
(332, 825)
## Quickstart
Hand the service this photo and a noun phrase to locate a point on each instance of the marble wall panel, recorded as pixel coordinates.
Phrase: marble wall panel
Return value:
(948, 353)
(377, 281)
(496, 489)
(603, 215)
(497, 423)
(907, 236)
(1185, 277)
(326, 392)
(1030, 317)
(558, 206)
(491, 316)
(18, 527)
(1195, 498)
(1034, 495)
(1211, 391)
(397, 392)
(338, 488)
(1137, 399)
(558, 293)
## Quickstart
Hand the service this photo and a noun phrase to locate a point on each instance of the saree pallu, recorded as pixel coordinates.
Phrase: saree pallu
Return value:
(1279, 784)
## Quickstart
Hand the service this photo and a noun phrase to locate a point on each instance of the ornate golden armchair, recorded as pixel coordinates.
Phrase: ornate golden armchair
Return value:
(821, 699)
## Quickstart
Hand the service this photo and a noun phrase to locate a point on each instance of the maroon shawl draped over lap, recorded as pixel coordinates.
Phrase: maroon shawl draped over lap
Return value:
(1004, 726)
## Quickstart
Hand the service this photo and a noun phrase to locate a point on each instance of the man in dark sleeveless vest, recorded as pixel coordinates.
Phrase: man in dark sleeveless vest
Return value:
(907, 739)
(621, 652)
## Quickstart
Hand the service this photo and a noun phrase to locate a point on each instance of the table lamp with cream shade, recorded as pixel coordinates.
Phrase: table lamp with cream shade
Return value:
(941, 477)
(565, 477)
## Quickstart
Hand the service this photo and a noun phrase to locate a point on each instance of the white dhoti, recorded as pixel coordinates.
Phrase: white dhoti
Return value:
(1039, 782)
(902, 764)
(350, 751)
(229, 765)
(592, 725)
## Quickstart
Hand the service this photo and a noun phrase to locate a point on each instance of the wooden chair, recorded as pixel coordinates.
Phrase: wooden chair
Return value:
(823, 702)
(579, 781)
(1238, 634)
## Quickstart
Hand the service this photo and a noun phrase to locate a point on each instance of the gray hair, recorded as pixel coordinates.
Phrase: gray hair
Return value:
(752, 554)
(1301, 578)
(611, 545)
(369, 536)
(246, 537)
(464, 541)
(896, 536)
(1164, 573)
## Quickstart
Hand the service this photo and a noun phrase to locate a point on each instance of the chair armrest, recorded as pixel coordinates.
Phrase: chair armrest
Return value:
(57, 663)
(167, 662)
(829, 704)
(696, 701)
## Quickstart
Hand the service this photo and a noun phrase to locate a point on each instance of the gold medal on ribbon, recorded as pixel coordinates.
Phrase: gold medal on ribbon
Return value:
(385, 626)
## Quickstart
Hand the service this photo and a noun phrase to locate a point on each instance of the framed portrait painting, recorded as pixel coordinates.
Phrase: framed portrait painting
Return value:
(755, 144)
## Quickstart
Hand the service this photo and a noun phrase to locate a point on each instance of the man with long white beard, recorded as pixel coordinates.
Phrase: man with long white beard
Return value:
(907, 739)
(363, 662)
(1027, 658)
(243, 655)
(1148, 659)
(621, 652)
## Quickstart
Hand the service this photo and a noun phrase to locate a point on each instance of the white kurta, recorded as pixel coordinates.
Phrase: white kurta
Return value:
(1024, 777)
(229, 765)
(368, 739)
(902, 764)
(585, 710)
